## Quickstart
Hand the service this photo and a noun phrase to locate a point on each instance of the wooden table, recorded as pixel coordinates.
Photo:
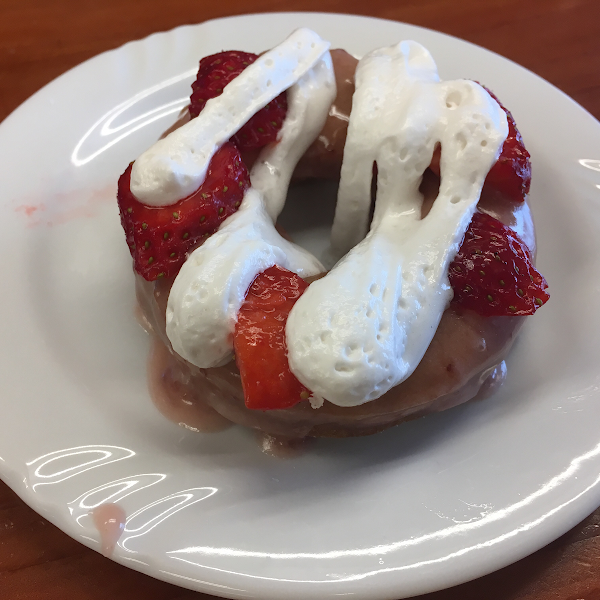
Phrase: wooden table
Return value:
(40, 39)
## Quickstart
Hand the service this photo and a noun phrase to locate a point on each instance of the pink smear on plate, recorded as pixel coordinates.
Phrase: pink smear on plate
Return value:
(109, 520)
(59, 208)
(29, 209)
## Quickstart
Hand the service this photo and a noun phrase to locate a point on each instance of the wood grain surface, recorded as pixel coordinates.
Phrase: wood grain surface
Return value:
(40, 39)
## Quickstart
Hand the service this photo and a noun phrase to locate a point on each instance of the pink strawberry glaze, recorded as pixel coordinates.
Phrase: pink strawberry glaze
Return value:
(175, 398)
(182, 404)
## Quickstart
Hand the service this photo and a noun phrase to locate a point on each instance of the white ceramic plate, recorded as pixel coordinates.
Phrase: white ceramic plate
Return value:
(426, 505)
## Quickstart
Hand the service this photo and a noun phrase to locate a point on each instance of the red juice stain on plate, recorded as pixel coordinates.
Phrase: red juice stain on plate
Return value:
(63, 207)
(174, 399)
(109, 520)
(29, 209)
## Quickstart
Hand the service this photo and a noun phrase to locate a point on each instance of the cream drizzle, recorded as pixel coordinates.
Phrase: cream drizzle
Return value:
(364, 328)
(212, 284)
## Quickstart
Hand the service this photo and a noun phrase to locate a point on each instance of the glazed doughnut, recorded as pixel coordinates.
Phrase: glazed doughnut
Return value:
(464, 357)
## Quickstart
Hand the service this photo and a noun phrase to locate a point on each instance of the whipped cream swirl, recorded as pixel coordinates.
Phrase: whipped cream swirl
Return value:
(212, 284)
(364, 327)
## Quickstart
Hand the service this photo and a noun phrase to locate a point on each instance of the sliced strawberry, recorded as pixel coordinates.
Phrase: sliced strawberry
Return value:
(511, 174)
(214, 73)
(259, 341)
(492, 273)
(159, 238)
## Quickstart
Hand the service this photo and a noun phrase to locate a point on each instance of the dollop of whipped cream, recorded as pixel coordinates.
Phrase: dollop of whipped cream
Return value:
(364, 328)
